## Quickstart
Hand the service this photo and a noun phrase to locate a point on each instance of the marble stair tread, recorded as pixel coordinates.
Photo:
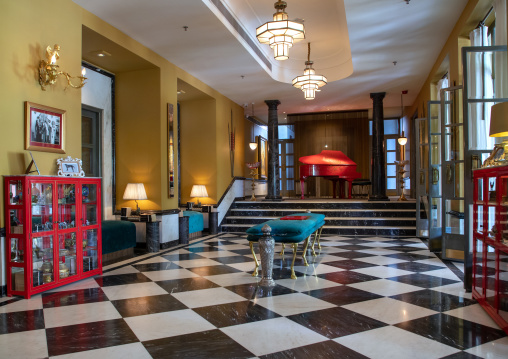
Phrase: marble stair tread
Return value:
(332, 218)
(324, 209)
(243, 225)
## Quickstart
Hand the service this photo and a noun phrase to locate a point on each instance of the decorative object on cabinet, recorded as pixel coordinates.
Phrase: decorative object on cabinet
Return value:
(135, 191)
(171, 153)
(309, 82)
(253, 173)
(44, 128)
(51, 228)
(262, 156)
(69, 167)
(198, 191)
(280, 33)
(231, 138)
(490, 242)
(32, 163)
(49, 70)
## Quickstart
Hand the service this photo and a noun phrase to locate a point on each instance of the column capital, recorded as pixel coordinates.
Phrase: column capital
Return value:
(377, 95)
(272, 104)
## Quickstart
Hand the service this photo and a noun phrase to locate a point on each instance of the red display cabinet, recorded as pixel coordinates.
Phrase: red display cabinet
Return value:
(490, 247)
(53, 231)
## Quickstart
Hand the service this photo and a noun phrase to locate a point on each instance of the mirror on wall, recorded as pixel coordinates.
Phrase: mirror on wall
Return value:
(171, 153)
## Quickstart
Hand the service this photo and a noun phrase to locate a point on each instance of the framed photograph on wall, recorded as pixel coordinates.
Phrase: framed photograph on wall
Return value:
(44, 128)
(263, 156)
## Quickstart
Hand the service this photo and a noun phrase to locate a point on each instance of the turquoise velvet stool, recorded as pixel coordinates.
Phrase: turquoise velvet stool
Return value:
(195, 221)
(289, 232)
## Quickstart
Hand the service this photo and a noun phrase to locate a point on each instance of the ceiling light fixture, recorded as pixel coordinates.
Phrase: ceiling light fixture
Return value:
(402, 139)
(309, 82)
(280, 33)
(253, 144)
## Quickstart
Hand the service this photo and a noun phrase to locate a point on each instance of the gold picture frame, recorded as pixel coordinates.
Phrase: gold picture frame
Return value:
(44, 128)
(262, 156)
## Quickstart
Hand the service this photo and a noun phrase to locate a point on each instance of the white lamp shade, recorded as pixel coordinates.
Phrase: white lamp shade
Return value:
(134, 191)
(198, 190)
(402, 140)
(499, 120)
(253, 145)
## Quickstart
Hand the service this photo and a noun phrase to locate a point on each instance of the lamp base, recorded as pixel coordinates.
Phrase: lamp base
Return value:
(498, 156)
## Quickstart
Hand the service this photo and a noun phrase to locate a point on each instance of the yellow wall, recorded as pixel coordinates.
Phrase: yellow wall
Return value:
(198, 157)
(25, 34)
(137, 135)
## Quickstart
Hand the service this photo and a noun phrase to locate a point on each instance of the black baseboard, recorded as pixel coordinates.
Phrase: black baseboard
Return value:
(3, 291)
(169, 244)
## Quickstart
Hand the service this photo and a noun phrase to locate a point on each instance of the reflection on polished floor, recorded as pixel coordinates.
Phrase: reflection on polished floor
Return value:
(361, 297)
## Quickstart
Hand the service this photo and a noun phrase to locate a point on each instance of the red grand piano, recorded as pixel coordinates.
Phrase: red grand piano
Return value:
(333, 165)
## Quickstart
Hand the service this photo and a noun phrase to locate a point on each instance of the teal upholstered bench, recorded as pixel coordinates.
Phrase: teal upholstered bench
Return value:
(118, 240)
(196, 224)
(290, 232)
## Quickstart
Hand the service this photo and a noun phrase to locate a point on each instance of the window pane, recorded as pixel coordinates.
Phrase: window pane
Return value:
(391, 170)
(289, 147)
(390, 144)
(290, 160)
(391, 157)
(391, 127)
(391, 183)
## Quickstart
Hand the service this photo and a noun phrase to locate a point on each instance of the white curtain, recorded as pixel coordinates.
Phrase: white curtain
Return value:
(480, 86)
(501, 65)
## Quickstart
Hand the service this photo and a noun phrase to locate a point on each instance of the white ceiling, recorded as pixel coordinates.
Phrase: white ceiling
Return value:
(380, 32)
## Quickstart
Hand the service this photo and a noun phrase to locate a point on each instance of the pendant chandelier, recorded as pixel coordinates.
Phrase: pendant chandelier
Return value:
(309, 82)
(280, 33)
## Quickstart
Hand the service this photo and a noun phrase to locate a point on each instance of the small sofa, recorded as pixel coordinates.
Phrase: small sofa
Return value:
(290, 232)
(118, 240)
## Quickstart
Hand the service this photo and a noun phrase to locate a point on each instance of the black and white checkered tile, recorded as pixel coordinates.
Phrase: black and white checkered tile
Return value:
(361, 297)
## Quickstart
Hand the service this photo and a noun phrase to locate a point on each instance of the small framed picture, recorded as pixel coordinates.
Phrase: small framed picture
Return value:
(44, 128)
(69, 167)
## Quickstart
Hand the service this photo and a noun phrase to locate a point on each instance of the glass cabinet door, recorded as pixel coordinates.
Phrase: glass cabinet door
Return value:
(90, 253)
(66, 206)
(42, 207)
(67, 266)
(89, 209)
(43, 261)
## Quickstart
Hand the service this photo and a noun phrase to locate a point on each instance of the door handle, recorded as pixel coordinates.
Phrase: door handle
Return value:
(435, 175)
(449, 174)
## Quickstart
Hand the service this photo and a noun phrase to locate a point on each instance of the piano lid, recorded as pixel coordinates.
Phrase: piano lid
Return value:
(328, 157)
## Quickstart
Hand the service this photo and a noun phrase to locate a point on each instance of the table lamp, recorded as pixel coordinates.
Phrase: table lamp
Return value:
(198, 190)
(135, 191)
(499, 128)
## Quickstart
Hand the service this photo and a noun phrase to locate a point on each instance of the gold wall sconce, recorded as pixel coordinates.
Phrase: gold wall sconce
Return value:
(49, 70)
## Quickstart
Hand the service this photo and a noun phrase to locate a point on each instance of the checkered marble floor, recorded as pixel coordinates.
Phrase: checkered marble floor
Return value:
(361, 297)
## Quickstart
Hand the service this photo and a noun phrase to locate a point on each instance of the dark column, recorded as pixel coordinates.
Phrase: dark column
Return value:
(183, 230)
(378, 171)
(273, 152)
(152, 236)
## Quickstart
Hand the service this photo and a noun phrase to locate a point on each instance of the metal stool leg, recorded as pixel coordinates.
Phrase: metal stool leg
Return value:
(282, 251)
(295, 247)
(305, 245)
(255, 273)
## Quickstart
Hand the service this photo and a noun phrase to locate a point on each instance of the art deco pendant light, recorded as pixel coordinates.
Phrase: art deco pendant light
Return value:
(309, 82)
(280, 33)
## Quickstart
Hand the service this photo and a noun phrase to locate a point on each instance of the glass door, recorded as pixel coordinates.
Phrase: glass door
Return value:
(452, 144)
(392, 182)
(287, 168)
(422, 185)
(485, 84)
(434, 176)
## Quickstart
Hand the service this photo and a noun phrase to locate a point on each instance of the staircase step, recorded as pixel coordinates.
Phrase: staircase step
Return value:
(343, 230)
(276, 213)
(342, 217)
(348, 221)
